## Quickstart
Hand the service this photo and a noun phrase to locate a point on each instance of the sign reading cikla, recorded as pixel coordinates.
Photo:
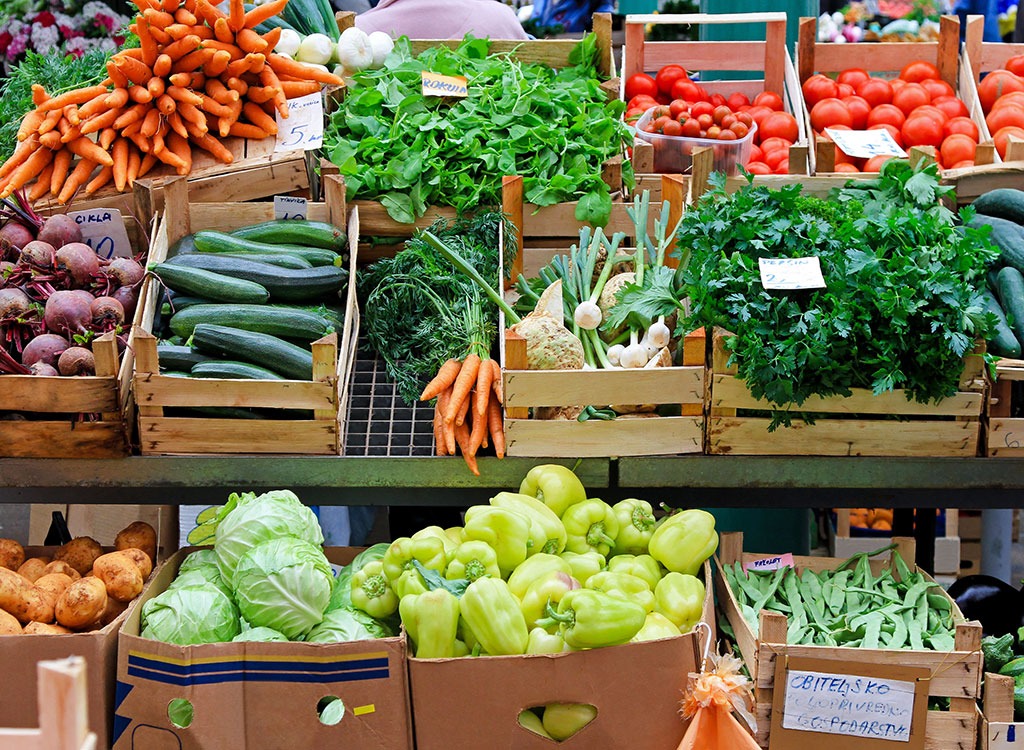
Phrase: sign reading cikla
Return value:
(435, 84)
(791, 273)
(104, 231)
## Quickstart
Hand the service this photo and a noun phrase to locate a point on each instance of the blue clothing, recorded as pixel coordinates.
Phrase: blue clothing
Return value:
(572, 16)
(987, 8)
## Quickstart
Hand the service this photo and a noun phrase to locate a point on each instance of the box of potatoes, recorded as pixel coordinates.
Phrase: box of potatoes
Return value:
(65, 601)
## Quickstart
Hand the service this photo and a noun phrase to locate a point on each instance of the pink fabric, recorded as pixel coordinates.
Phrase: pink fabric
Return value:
(442, 19)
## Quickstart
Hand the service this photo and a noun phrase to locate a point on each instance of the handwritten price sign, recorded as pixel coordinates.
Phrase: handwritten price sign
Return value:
(304, 128)
(435, 84)
(791, 273)
(103, 230)
(863, 144)
(288, 207)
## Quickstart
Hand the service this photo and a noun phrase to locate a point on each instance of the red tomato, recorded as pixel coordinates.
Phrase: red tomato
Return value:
(758, 113)
(706, 121)
(663, 98)
(846, 167)
(691, 128)
(922, 131)
(958, 147)
(875, 91)
(737, 100)
(781, 168)
(937, 87)
(726, 135)
(774, 144)
(633, 115)
(642, 101)
(781, 125)
(713, 132)
(1005, 116)
(640, 83)
(918, 71)
(963, 164)
(739, 129)
(1015, 65)
(1014, 97)
(994, 85)
(687, 90)
(886, 113)
(893, 131)
(701, 108)
(769, 99)
(756, 154)
(672, 127)
(859, 111)
(845, 90)
(720, 113)
(910, 96)
(874, 164)
(757, 167)
(929, 111)
(952, 106)
(853, 76)
(677, 107)
(963, 125)
(830, 112)
(667, 77)
(745, 118)
(717, 100)
(1002, 138)
(841, 156)
(728, 121)
(660, 122)
(816, 88)
(777, 157)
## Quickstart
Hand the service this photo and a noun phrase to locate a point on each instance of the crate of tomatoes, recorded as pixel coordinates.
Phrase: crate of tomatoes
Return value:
(678, 100)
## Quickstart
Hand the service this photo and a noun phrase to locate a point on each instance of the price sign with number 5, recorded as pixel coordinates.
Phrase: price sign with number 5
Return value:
(304, 127)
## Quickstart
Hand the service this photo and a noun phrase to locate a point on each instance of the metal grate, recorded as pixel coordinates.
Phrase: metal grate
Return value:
(379, 422)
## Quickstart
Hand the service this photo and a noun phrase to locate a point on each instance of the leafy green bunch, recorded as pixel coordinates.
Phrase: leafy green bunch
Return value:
(555, 128)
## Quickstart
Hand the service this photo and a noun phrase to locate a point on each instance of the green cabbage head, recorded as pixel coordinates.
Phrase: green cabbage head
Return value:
(262, 635)
(198, 612)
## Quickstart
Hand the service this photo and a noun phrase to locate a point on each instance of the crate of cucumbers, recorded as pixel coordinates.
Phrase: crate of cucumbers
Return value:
(250, 327)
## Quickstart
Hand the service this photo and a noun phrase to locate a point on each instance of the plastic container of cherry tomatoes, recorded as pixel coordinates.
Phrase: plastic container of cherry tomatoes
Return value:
(672, 153)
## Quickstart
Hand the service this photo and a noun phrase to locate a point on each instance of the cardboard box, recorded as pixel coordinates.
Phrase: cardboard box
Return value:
(102, 522)
(635, 687)
(258, 696)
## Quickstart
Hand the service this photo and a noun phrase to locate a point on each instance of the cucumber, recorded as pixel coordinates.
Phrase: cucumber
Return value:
(219, 242)
(1002, 342)
(295, 232)
(179, 358)
(990, 276)
(1014, 667)
(1007, 236)
(282, 260)
(1005, 203)
(206, 283)
(283, 284)
(289, 360)
(286, 322)
(228, 370)
(1010, 288)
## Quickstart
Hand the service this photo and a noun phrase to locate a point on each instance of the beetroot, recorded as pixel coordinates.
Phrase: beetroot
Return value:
(38, 254)
(41, 368)
(76, 360)
(128, 296)
(67, 313)
(14, 303)
(107, 313)
(44, 349)
(126, 271)
(13, 236)
(80, 262)
(59, 230)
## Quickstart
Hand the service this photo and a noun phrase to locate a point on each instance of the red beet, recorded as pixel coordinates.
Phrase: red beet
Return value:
(39, 254)
(128, 296)
(76, 360)
(79, 260)
(14, 236)
(41, 368)
(107, 313)
(126, 271)
(59, 230)
(14, 303)
(45, 349)
(67, 313)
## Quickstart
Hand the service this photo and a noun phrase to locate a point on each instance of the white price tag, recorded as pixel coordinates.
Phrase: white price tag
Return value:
(863, 144)
(288, 207)
(850, 705)
(791, 273)
(771, 563)
(304, 128)
(103, 230)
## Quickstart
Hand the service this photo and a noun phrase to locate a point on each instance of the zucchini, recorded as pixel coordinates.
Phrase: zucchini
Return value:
(283, 284)
(174, 303)
(185, 245)
(1007, 236)
(1005, 203)
(1010, 287)
(228, 370)
(282, 357)
(286, 322)
(295, 232)
(217, 287)
(1002, 342)
(282, 260)
(219, 242)
(179, 358)
(1014, 667)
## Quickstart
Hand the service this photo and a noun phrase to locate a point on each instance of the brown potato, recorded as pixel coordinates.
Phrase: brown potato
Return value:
(139, 535)
(54, 584)
(23, 600)
(42, 628)
(12, 554)
(9, 624)
(120, 574)
(141, 559)
(82, 603)
(79, 553)
(33, 568)
(62, 567)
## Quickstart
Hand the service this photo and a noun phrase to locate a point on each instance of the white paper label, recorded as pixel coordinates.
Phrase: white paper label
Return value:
(103, 230)
(288, 207)
(770, 563)
(850, 705)
(304, 128)
(791, 273)
(435, 84)
(863, 144)
(1005, 736)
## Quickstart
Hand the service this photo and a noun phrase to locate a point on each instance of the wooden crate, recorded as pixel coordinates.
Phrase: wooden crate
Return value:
(1005, 434)
(998, 729)
(162, 434)
(954, 675)
(770, 57)
(627, 435)
(863, 424)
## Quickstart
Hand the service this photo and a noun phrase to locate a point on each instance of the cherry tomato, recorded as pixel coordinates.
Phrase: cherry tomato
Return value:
(720, 113)
(661, 122)
(918, 71)
(667, 76)
(706, 121)
(713, 132)
(726, 135)
(640, 83)
(816, 88)
(739, 129)
(701, 108)
(875, 91)
(830, 112)
(691, 128)
(672, 127)
(745, 118)
(678, 107)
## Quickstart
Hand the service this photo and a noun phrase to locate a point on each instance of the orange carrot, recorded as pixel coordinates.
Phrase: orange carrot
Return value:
(51, 140)
(220, 92)
(41, 186)
(261, 94)
(250, 41)
(99, 122)
(440, 447)
(146, 41)
(182, 79)
(39, 94)
(215, 108)
(50, 121)
(160, 36)
(234, 49)
(162, 66)
(463, 383)
(105, 175)
(272, 37)
(184, 95)
(447, 428)
(158, 18)
(444, 379)
(177, 50)
(133, 114)
(95, 106)
(134, 129)
(463, 411)
(218, 62)
(245, 130)
(478, 431)
(300, 71)
(143, 4)
(482, 391)
(238, 68)
(178, 31)
(496, 383)
(295, 89)
(77, 179)
(148, 162)
(106, 139)
(24, 150)
(120, 166)
(268, 77)
(140, 94)
(236, 15)
(30, 123)
(462, 438)
(209, 11)
(176, 124)
(135, 53)
(224, 123)
(76, 96)
(199, 58)
(261, 13)
(169, 6)
(151, 123)
(116, 75)
(259, 118)
(70, 133)
(156, 87)
(134, 165)
(222, 33)
(191, 113)
(135, 71)
(179, 146)
(212, 146)
(31, 167)
(165, 104)
(85, 148)
(116, 98)
(158, 144)
(495, 428)
(171, 159)
(190, 6)
(71, 115)
(237, 84)
(185, 16)
(61, 164)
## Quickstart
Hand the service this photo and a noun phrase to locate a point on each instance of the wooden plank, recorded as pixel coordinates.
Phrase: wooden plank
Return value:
(807, 36)
(228, 217)
(659, 385)
(375, 221)
(624, 436)
(58, 395)
(883, 57)
(708, 56)
(998, 697)
(713, 19)
(167, 391)
(182, 436)
(512, 205)
(67, 439)
(1006, 437)
(513, 357)
(774, 62)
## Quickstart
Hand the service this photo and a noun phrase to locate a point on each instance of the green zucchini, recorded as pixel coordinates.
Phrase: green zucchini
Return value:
(1010, 287)
(179, 358)
(219, 242)
(1005, 203)
(286, 322)
(1002, 341)
(185, 245)
(217, 287)
(295, 232)
(282, 357)
(282, 260)
(283, 284)
(228, 370)
(1014, 667)
(1007, 236)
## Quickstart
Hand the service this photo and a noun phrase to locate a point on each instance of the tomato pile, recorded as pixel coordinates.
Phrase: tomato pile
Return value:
(685, 108)
(918, 109)
(1001, 94)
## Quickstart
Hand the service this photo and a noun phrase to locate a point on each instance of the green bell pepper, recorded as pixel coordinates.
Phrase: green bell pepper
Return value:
(456, 533)
(460, 648)
(555, 486)
(585, 565)
(533, 568)
(438, 533)
(428, 550)
(636, 525)
(641, 566)
(623, 586)
(680, 598)
(506, 532)
(683, 541)
(656, 626)
(472, 560)
(592, 619)
(410, 583)
(539, 514)
(432, 620)
(543, 642)
(591, 525)
(371, 591)
(493, 615)
(466, 634)
(550, 588)
(530, 721)
(563, 720)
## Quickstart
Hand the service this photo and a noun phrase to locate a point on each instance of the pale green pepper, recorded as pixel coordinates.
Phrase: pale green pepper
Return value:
(530, 721)
(563, 720)
(543, 642)
(539, 514)
(493, 615)
(410, 583)
(641, 566)
(592, 619)
(438, 533)
(456, 534)
(656, 626)
(680, 598)
(472, 560)
(636, 525)
(684, 540)
(506, 532)
(460, 648)
(590, 525)
(371, 591)
(534, 567)
(550, 588)
(555, 486)
(466, 634)
(623, 586)
(585, 565)
(432, 620)
(428, 550)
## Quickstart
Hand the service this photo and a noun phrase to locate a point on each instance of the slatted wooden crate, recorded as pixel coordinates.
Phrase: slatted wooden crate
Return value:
(160, 433)
(998, 729)
(954, 675)
(846, 543)
(1005, 438)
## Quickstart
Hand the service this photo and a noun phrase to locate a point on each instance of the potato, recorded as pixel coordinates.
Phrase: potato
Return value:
(82, 603)
(54, 584)
(33, 568)
(111, 612)
(139, 535)
(141, 559)
(9, 624)
(62, 567)
(120, 575)
(23, 600)
(79, 553)
(42, 628)
(12, 554)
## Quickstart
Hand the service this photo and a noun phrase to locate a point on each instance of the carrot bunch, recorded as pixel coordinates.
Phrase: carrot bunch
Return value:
(199, 75)
(468, 409)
